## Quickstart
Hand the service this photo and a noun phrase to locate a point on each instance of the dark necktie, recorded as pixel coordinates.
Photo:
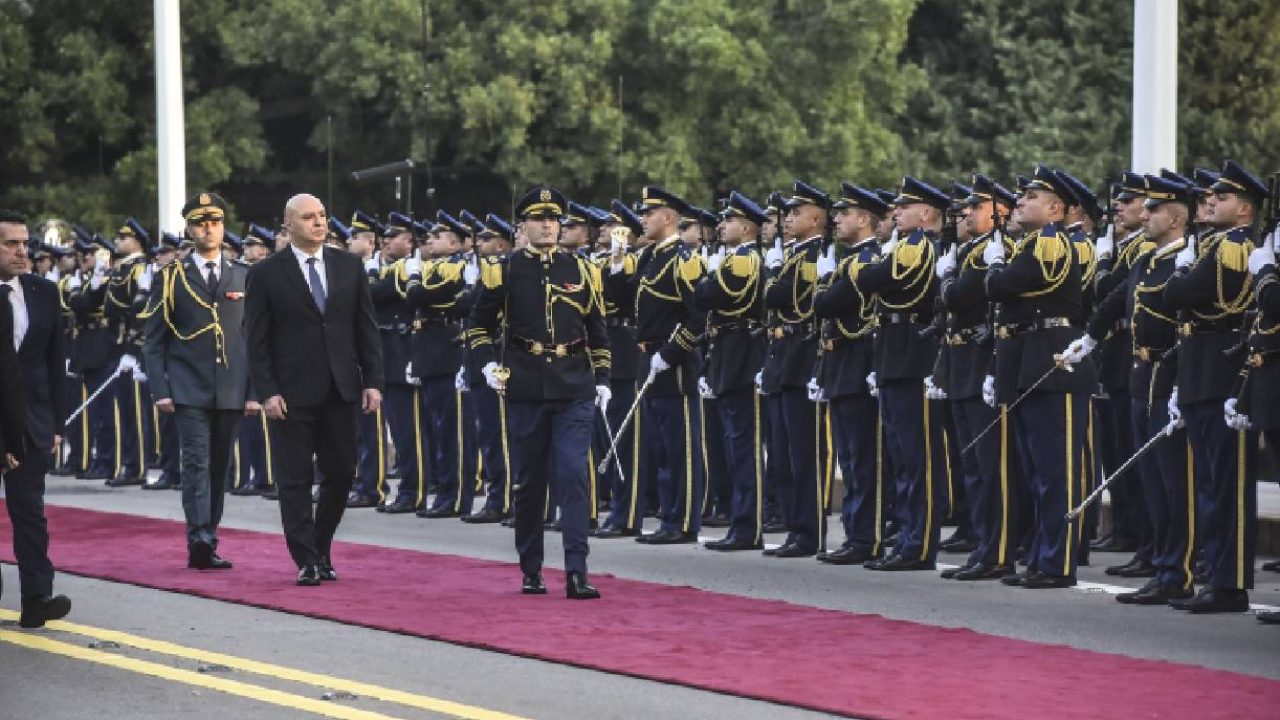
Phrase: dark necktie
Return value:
(317, 289)
(210, 278)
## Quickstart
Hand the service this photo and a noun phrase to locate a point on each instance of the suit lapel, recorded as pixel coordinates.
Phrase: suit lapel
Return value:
(293, 270)
(195, 277)
(329, 260)
(32, 299)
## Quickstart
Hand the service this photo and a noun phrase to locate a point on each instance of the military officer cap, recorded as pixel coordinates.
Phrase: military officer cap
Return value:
(258, 235)
(1235, 179)
(653, 197)
(495, 226)
(600, 215)
(472, 223)
(700, 216)
(887, 197)
(1085, 197)
(397, 223)
(623, 215)
(802, 193)
(176, 242)
(234, 241)
(1132, 185)
(914, 191)
(541, 203)
(739, 205)
(337, 228)
(853, 196)
(578, 215)
(1168, 174)
(445, 221)
(57, 251)
(421, 230)
(959, 196)
(1205, 179)
(1047, 179)
(132, 228)
(1161, 190)
(205, 206)
(83, 242)
(984, 189)
(363, 222)
(773, 204)
(104, 243)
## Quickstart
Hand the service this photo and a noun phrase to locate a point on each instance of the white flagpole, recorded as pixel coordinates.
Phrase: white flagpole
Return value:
(171, 151)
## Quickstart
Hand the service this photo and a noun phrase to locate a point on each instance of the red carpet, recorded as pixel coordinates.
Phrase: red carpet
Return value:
(859, 665)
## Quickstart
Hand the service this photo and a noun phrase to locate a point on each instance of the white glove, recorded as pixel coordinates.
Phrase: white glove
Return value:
(994, 251)
(1234, 420)
(760, 382)
(773, 258)
(827, 262)
(989, 390)
(815, 390)
(1275, 239)
(1185, 256)
(127, 363)
(412, 265)
(1260, 258)
(95, 280)
(603, 396)
(372, 265)
(715, 261)
(932, 391)
(657, 364)
(409, 377)
(617, 250)
(74, 282)
(471, 273)
(1106, 243)
(872, 387)
(144, 280)
(52, 275)
(460, 380)
(946, 263)
(887, 249)
(139, 376)
(704, 389)
(1175, 414)
(1079, 349)
(490, 372)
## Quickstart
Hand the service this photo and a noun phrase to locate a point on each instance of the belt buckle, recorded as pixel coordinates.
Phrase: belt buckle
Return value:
(535, 347)
(1254, 360)
(1002, 332)
(828, 345)
(562, 351)
(1185, 329)
(778, 333)
(1144, 354)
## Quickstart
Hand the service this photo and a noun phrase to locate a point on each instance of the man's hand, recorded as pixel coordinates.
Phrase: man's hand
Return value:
(657, 364)
(946, 263)
(493, 377)
(993, 253)
(715, 261)
(370, 400)
(603, 395)
(704, 389)
(275, 408)
(989, 391)
(127, 363)
(165, 405)
(460, 380)
(1079, 349)
(872, 387)
(1106, 244)
(827, 263)
(1260, 258)
(10, 462)
(412, 265)
(252, 408)
(1185, 256)
(774, 257)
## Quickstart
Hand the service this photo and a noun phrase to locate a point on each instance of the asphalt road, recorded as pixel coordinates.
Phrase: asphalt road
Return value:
(64, 677)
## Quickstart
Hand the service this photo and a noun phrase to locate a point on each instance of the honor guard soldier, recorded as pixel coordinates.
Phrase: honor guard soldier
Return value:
(1212, 288)
(554, 371)
(847, 356)
(627, 494)
(95, 360)
(493, 245)
(77, 438)
(731, 295)
(165, 427)
(904, 284)
(1163, 472)
(435, 289)
(1040, 294)
(123, 299)
(388, 284)
(254, 475)
(668, 324)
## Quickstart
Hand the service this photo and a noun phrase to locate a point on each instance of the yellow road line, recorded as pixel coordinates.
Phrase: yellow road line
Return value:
(231, 687)
(421, 702)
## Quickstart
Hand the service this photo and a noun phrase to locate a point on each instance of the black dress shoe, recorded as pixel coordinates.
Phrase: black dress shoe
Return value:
(718, 520)
(985, 571)
(95, 474)
(218, 563)
(1138, 569)
(774, 526)
(1040, 581)
(552, 526)
(309, 575)
(605, 532)
(1115, 570)
(41, 609)
(950, 573)
(1272, 566)
(875, 563)
(199, 555)
(732, 545)
(1217, 600)
(1154, 593)
(576, 587)
(900, 563)
(1111, 543)
(1269, 617)
(436, 513)
(795, 550)
(533, 585)
(327, 573)
(123, 480)
(163, 483)
(668, 537)
(63, 471)
(848, 555)
(270, 493)
(1018, 579)
(356, 500)
(399, 507)
(773, 551)
(246, 491)
(486, 515)
(1130, 598)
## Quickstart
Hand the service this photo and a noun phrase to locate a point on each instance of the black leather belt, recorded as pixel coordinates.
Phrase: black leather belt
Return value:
(1258, 358)
(778, 332)
(1005, 332)
(963, 336)
(618, 322)
(547, 349)
(394, 327)
(717, 330)
(1149, 354)
(1207, 326)
(900, 318)
(421, 323)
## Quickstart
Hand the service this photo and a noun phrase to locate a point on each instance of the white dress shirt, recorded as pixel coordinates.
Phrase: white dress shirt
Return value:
(21, 321)
(202, 265)
(302, 262)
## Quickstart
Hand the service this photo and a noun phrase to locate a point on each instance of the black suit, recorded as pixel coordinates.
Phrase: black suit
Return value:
(41, 373)
(319, 363)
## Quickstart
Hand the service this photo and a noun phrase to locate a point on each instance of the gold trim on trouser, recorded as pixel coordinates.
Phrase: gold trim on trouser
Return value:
(266, 449)
(635, 466)
(417, 445)
(688, 466)
(758, 455)
(235, 464)
(142, 435)
(818, 499)
(460, 438)
(591, 477)
(506, 456)
(1187, 574)
(828, 469)
(928, 478)
(86, 440)
(1002, 553)
(1066, 561)
(706, 456)
(1240, 484)
(1088, 463)
(155, 429)
(115, 410)
(382, 457)
(875, 550)
(946, 461)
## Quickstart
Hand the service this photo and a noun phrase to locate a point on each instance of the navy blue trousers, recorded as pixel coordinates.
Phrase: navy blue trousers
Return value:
(801, 491)
(371, 455)
(550, 437)
(1051, 431)
(718, 490)
(451, 444)
(1230, 513)
(104, 432)
(740, 445)
(626, 495)
(1115, 442)
(993, 485)
(916, 443)
(859, 439)
(134, 403)
(495, 446)
(674, 428)
(253, 450)
(1168, 492)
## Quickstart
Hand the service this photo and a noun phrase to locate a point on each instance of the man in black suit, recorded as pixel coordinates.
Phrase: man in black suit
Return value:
(314, 352)
(31, 323)
(199, 371)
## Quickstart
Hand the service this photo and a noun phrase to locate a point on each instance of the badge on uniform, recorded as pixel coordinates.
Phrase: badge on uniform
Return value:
(235, 296)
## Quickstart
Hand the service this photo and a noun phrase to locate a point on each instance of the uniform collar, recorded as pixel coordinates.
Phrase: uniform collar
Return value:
(666, 244)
